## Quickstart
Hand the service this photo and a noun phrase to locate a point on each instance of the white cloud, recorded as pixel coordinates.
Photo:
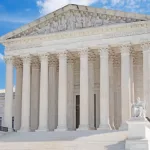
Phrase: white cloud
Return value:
(47, 6)
(1, 57)
(138, 6)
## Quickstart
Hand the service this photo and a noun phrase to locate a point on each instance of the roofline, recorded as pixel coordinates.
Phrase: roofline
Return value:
(73, 7)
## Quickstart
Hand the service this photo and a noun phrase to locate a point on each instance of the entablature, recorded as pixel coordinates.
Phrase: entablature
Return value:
(114, 35)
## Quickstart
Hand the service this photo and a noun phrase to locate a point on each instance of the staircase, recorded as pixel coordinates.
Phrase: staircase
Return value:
(69, 140)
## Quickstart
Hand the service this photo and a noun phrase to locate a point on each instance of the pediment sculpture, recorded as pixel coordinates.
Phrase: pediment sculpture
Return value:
(72, 20)
(139, 109)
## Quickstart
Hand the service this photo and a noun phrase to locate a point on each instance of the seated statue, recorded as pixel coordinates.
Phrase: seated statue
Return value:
(138, 109)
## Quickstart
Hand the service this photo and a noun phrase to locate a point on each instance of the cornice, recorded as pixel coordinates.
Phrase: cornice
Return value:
(111, 31)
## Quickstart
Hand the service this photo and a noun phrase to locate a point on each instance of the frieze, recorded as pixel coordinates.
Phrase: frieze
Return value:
(29, 42)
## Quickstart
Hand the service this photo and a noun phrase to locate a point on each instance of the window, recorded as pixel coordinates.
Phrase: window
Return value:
(0, 121)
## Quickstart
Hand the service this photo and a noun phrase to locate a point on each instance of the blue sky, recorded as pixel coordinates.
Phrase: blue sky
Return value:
(15, 13)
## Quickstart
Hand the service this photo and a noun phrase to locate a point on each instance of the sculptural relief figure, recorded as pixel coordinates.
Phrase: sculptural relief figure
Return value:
(35, 31)
(62, 24)
(98, 21)
(139, 109)
(89, 23)
(78, 21)
(71, 21)
(120, 20)
(93, 19)
(54, 27)
(107, 21)
(85, 19)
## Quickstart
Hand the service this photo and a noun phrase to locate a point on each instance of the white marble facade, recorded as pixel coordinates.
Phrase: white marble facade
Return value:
(82, 72)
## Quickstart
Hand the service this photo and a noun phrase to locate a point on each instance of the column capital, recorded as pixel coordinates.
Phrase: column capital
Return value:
(145, 47)
(83, 51)
(35, 62)
(62, 54)
(43, 56)
(125, 49)
(26, 59)
(53, 61)
(18, 63)
(8, 59)
(19, 66)
(103, 51)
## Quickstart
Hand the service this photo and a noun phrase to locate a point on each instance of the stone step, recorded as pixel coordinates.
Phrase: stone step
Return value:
(64, 141)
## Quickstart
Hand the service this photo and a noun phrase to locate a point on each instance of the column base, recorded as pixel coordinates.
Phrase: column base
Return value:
(105, 127)
(61, 128)
(123, 127)
(24, 130)
(10, 130)
(83, 128)
(42, 130)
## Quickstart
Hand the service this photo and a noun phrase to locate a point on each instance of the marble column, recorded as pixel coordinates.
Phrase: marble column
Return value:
(117, 93)
(104, 89)
(9, 93)
(35, 95)
(52, 110)
(111, 93)
(146, 76)
(132, 79)
(43, 111)
(125, 86)
(91, 92)
(97, 89)
(70, 98)
(18, 97)
(62, 93)
(25, 115)
(84, 89)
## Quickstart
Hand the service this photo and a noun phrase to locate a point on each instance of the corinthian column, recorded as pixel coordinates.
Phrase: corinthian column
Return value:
(111, 93)
(104, 89)
(25, 115)
(43, 112)
(125, 86)
(62, 93)
(70, 94)
(91, 92)
(18, 96)
(146, 76)
(84, 88)
(35, 94)
(52, 94)
(8, 93)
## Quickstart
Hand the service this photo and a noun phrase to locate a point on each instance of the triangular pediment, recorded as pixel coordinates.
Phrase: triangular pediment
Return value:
(73, 17)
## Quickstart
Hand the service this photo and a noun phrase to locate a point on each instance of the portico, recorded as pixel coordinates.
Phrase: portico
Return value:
(84, 78)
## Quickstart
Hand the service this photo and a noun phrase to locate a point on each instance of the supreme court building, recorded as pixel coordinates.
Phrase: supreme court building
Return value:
(78, 68)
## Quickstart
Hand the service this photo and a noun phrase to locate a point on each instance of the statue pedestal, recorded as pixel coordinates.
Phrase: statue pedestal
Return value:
(138, 134)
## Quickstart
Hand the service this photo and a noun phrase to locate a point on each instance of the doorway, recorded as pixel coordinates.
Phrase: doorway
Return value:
(77, 111)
